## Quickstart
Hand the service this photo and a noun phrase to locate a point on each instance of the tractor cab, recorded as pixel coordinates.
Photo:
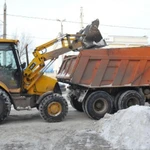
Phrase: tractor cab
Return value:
(10, 65)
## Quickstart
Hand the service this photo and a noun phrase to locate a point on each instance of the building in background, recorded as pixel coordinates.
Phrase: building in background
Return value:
(126, 41)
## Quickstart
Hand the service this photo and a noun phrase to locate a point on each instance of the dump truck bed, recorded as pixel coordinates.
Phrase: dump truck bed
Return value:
(113, 67)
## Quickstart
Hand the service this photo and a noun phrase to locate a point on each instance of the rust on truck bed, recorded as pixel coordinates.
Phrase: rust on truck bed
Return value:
(113, 67)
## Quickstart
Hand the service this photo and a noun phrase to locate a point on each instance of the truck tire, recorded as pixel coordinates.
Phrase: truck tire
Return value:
(53, 108)
(83, 105)
(83, 102)
(5, 105)
(130, 98)
(77, 105)
(98, 104)
(74, 102)
(116, 99)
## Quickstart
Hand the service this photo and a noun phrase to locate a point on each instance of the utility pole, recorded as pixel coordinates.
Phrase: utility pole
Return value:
(61, 33)
(61, 23)
(4, 22)
(4, 32)
(81, 17)
(1, 24)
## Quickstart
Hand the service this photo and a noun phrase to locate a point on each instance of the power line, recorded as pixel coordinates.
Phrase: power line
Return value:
(32, 17)
(106, 25)
(33, 37)
(129, 27)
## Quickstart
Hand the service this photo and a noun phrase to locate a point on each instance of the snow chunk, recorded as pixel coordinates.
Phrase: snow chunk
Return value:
(127, 129)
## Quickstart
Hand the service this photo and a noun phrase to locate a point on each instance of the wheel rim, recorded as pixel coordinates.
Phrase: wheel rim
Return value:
(100, 105)
(54, 109)
(132, 101)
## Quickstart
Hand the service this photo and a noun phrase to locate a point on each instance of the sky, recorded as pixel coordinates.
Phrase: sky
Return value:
(130, 13)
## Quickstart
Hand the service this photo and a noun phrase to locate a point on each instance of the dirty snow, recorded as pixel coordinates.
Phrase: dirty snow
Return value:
(25, 130)
(127, 129)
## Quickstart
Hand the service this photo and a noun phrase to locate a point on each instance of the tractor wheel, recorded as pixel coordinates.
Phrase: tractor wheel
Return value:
(98, 104)
(53, 108)
(5, 105)
(130, 98)
(74, 102)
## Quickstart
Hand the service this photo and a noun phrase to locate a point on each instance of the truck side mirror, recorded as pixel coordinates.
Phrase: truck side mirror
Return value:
(23, 65)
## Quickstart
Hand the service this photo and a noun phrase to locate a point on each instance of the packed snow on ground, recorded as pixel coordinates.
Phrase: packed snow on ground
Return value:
(127, 129)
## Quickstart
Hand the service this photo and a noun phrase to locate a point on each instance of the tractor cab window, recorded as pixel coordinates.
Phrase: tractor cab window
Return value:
(7, 60)
(8, 67)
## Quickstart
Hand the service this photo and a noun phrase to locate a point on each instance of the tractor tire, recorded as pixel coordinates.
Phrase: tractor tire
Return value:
(53, 108)
(5, 105)
(130, 98)
(98, 104)
(74, 102)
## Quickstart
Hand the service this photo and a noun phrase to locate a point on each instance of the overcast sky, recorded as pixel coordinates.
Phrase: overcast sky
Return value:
(134, 13)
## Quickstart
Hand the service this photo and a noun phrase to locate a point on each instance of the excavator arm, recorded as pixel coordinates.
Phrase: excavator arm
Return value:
(86, 38)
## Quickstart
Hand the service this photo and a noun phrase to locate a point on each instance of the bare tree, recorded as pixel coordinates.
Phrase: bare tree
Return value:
(24, 40)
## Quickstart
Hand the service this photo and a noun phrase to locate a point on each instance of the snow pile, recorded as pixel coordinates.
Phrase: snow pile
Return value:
(128, 128)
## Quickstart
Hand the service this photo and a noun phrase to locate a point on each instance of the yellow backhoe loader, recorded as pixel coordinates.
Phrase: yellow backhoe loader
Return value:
(26, 88)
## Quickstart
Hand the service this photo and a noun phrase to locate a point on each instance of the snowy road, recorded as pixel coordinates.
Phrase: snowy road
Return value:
(25, 130)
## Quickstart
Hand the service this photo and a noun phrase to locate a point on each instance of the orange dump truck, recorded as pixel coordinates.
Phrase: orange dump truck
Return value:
(106, 79)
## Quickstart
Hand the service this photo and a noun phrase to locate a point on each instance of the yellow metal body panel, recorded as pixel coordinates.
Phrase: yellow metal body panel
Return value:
(9, 41)
(4, 86)
(18, 90)
(43, 84)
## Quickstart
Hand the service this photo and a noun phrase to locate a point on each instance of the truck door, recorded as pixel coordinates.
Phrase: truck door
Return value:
(9, 69)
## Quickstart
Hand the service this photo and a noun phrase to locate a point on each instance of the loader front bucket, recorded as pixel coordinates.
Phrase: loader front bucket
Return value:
(92, 33)
(93, 37)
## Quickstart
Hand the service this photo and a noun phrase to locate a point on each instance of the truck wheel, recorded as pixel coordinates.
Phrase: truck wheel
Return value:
(83, 105)
(98, 104)
(74, 102)
(77, 105)
(5, 105)
(53, 108)
(130, 98)
(116, 101)
(83, 102)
